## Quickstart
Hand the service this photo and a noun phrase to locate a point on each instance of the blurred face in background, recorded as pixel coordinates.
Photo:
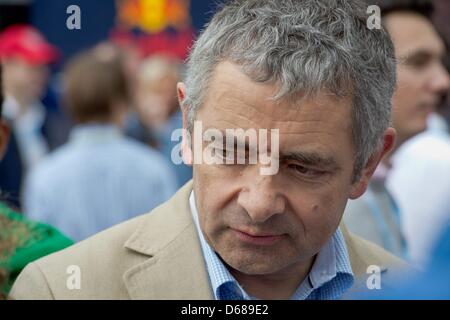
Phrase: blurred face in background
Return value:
(156, 95)
(24, 81)
(156, 101)
(96, 88)
(422, 78)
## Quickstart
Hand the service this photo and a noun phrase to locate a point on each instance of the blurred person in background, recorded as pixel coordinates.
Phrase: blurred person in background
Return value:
(25, 55)
(420, 181)
(21, 240)
(431, 284)
(383, 214)
(100, 177)
(420, 175)
(157, 110)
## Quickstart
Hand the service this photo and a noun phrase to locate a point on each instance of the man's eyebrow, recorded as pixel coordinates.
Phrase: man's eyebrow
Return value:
(312, 159)
(420, 54)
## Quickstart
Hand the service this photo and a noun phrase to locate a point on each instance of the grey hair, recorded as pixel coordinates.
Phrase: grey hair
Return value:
(304, 47)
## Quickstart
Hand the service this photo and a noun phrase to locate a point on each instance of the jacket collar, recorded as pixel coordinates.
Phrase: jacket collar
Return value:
(167, 246)
(360, 257)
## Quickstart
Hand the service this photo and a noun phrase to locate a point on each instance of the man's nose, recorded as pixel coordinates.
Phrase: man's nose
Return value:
(439, 80)
(261, 199)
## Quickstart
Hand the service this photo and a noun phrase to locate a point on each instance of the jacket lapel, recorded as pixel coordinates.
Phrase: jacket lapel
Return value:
(360, 260)
(174, 266)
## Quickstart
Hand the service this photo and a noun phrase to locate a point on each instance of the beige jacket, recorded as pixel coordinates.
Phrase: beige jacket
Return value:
(154, 256)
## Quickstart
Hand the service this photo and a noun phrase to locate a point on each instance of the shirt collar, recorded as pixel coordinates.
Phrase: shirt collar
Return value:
(332, 263)
(32, 118)
(94, 133)
(437, 124)
(10, 108)
(381, 172)
(219, 275)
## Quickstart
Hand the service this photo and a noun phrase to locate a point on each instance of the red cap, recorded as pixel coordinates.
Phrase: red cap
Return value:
(26, 42)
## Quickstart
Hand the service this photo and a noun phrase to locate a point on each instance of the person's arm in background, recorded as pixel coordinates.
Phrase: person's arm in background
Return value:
(36, 201)
(26, 242)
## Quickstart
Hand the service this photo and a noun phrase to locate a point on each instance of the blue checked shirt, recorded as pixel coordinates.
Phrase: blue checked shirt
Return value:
(330, 276)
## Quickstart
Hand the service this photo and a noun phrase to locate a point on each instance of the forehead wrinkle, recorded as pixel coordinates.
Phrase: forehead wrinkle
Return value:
(232, 80)
(309, 132)
(229, 95)
(311, 126)
(251, 111)
(233, 119)
(275, 123)
(285, 127)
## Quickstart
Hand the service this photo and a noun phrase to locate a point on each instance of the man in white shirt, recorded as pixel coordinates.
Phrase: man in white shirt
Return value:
(420, 175)
(420, 181)
(99, 178)
(421, 82)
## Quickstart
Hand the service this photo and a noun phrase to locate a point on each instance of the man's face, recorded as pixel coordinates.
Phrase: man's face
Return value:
(422, 79)
(26, 80)
(155, 101)
(265, 224)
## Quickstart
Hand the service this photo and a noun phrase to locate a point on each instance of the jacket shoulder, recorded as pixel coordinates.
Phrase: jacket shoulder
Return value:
(367, 257)
(373, 254)
(97, 268)
(76, 272)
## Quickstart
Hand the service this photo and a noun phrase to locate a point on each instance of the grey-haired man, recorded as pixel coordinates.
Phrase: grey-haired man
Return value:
(311, 70)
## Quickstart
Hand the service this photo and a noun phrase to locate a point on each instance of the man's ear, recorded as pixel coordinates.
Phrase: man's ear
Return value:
(359, 187)
(4, 138)
(186, 149)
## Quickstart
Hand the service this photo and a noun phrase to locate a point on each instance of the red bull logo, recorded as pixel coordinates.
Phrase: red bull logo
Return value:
(154, 16)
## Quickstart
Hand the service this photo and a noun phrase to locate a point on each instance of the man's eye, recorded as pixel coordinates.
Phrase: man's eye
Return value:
(305, 171)
(418, 62)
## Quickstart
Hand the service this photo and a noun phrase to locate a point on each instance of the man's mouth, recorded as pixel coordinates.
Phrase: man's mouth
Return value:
(261, 239)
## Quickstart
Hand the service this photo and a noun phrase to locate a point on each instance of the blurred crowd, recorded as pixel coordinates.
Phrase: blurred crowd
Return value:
(102, 158)
(105, 156)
